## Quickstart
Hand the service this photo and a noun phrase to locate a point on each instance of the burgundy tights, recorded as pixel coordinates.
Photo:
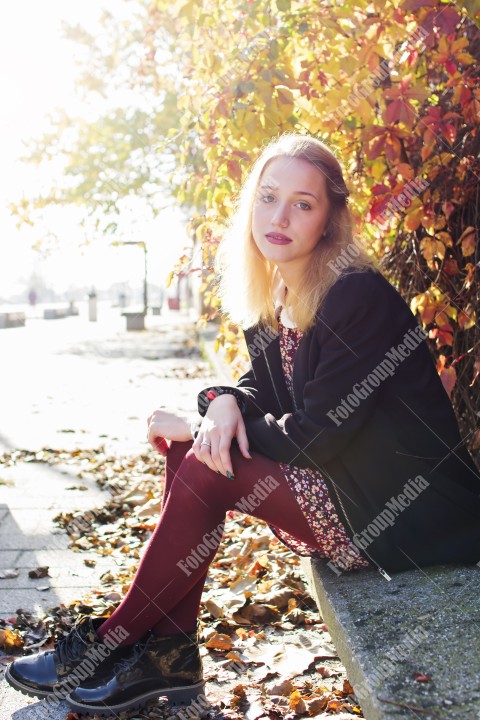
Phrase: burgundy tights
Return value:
(167, 588)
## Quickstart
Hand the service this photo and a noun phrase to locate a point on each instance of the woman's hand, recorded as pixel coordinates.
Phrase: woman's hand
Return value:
(223, 421)
(163, 426)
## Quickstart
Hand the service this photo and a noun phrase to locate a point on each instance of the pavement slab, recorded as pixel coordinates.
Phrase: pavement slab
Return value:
(89, 386)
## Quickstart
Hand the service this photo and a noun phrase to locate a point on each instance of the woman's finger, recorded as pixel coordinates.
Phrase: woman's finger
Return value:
(242, 440)
(217, 459)
(224, 459)
(205, 452)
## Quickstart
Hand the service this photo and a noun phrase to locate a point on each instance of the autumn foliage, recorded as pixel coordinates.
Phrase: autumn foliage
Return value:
(391, 85)
(394, 88)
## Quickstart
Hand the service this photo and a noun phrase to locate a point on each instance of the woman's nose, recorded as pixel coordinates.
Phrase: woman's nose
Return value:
(280, 216)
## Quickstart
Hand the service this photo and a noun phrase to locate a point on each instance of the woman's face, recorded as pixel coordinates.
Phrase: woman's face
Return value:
(290, 213)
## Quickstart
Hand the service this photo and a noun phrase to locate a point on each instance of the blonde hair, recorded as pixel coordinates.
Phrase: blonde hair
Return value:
(246, 277)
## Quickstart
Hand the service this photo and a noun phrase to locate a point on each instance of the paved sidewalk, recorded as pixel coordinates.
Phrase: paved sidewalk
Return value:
(69, 384)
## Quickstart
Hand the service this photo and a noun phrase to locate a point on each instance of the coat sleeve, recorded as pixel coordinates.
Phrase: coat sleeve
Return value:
(246, 390)
(254, 399)
(248, 385)
(354, 331)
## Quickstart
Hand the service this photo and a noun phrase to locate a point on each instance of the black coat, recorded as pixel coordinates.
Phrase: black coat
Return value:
(370, 434)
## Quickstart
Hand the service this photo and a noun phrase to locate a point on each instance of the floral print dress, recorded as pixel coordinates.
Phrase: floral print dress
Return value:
(311, 491)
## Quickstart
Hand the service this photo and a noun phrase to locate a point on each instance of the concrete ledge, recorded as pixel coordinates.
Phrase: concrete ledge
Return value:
(135, 319)
(12, 319)
(424, 622)
(55, 313)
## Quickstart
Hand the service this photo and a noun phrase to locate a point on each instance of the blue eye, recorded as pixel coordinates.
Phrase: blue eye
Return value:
(265, 199)
(306, 206)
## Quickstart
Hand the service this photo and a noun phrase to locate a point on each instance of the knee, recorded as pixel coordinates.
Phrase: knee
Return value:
(175, 455)
(195, 476)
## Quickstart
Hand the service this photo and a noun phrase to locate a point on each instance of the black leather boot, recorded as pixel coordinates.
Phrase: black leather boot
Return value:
(78, 656)
(168, 666)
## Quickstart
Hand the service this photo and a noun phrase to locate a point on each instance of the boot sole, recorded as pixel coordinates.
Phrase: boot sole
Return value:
(25, 689)
(176, 696)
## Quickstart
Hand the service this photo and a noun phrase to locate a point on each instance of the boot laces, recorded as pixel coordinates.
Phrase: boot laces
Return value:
(127, 663)
(70, 648)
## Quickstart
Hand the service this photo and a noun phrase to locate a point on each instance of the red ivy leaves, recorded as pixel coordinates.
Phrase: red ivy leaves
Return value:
(401, 109)
(437, 124)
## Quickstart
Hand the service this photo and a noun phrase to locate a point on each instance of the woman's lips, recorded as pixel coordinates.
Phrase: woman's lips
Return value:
(278, 238)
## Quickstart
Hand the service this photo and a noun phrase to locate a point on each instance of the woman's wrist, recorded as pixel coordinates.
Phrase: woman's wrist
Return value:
(206, 396)
(195, 427)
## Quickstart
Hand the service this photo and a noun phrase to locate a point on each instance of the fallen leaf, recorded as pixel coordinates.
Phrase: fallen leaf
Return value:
(214, 610)
(297, 703)
(281, 687)
(9, 573)
(219, 641)
(257, 613)
(347, 688)
(39, 572)
(316, 705)
(420, 677)
(9, 639)
(334, 704)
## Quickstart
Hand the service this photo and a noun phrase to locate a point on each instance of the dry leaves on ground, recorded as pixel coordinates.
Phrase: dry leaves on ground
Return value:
(265, 650)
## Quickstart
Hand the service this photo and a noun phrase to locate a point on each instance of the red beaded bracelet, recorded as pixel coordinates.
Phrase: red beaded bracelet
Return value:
(206, 397)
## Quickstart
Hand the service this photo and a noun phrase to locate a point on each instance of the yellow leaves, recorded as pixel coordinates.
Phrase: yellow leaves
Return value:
(445, 238)
(169, 279)
(432, 223)
(284, 101)
(465, 58)
(239, 695)
(186, 9)
(297, 703)
(284, 95)
(249, 121)
(436, 163)
(433, 307)
(10, 639)
(365, 111)
(322, 700)
(378, 169)
(432, 248)
(424, 305)
(414, 216)
(466, 318)
(468, 241)
(265, 91)
(449, 53)
(448, 376)
(443, 312)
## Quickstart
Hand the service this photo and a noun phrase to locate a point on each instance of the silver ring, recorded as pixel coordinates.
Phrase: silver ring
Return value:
(205, 443)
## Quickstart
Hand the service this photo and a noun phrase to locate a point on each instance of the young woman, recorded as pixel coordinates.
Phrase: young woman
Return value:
(341, 437)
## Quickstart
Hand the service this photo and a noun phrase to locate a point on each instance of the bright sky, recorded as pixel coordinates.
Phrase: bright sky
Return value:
(38, 70)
